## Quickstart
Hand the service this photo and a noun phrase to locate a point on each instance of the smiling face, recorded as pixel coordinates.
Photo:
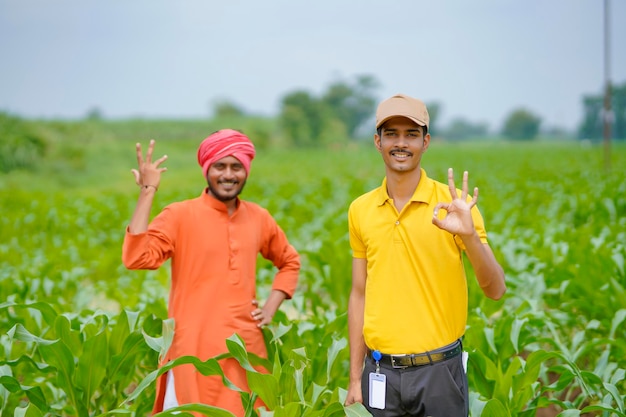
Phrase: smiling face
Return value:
(401, 143)
(226, 178)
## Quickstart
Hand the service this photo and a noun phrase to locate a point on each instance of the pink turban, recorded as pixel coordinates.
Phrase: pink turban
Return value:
(225, 142)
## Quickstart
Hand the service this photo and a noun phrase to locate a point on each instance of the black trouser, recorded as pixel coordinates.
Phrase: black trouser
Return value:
(434, 390)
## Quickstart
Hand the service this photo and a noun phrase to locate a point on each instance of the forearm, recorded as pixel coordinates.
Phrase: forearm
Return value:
(273, 302)
(488, 271)
(358, 349)
(141, 216)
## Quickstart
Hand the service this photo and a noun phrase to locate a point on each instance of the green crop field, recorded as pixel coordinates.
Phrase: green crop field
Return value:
(81, 335)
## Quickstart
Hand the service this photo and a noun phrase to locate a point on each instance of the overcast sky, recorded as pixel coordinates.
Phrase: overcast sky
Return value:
(155, 58)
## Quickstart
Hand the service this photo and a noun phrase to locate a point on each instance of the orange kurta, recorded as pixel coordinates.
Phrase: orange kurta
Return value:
(213, 260)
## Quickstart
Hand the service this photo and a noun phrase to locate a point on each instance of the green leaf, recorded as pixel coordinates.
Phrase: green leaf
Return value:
(289, 410)
(18, 332)
(29, 411)
(206, 368)
(123, 364)
(59, 356)
(334, 409)
(494, 408)
(92, 365)
(334, 349)
(516, 328)
(71, 338)
(569, 413)
(237, 347)
(619, 400)
(204, 409)
(618, 318)
(266, 386)
(298, 377)
(280, 331)
(10, 383)
(357, 410)
(605, 408)
(119, 333)
(41, 367)
(161, 344)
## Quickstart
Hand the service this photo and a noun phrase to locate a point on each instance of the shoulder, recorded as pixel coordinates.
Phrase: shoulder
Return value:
(182, 204)
(366, 200)
(252, 207)
(255, 210)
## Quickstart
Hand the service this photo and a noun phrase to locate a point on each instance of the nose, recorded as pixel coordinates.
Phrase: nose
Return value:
(229, 172)
(402, 140)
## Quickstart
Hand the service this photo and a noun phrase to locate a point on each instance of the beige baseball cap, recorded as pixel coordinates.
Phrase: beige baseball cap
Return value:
(402, 105)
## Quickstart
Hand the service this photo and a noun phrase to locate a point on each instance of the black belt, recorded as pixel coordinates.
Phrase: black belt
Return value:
(420, 359)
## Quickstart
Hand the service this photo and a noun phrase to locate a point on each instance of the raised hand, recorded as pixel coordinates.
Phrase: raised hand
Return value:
(458, 219)
(148, 173)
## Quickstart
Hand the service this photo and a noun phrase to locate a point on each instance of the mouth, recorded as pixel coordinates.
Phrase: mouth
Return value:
(401, 155)
(228, 184)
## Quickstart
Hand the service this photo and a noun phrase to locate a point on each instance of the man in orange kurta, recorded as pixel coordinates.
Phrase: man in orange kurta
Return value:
(213, 242)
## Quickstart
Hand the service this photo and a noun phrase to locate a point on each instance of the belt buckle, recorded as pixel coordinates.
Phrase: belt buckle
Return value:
(393, 361)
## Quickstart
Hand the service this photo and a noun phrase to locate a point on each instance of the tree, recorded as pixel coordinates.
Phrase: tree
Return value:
(353, 103)
(227, 109)
(592, 126)
(521, 124)
(21, 147)
(434, 109)
(94, 113)
(460, 129)
(302, 118)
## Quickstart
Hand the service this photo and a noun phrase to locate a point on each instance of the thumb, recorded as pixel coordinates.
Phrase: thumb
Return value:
(136, 174)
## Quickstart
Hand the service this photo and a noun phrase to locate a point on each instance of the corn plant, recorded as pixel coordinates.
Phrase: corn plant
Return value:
(79, 365)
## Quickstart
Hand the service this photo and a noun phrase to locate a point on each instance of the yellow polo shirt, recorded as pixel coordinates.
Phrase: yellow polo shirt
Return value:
(416, 288)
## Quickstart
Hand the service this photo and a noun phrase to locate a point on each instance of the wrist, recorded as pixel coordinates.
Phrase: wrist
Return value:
(149, 186)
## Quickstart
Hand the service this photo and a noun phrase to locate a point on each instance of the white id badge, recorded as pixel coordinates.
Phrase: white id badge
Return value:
(378, 386)
(465, 356)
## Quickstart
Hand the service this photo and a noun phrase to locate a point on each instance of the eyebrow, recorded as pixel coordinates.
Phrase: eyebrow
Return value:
(393, 129)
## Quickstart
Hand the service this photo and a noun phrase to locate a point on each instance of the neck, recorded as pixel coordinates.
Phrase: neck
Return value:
(402, 185)
(231, 204)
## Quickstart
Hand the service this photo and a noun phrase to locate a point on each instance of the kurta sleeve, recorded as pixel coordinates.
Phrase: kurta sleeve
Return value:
(150, 249)
(279, 251)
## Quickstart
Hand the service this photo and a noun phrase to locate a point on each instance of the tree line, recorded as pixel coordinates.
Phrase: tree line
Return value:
(346, 110)
(343, 112)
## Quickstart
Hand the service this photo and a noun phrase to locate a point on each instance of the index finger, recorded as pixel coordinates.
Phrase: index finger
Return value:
(451, 185)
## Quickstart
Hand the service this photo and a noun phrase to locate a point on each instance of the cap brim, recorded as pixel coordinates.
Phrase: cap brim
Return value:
(381, 122)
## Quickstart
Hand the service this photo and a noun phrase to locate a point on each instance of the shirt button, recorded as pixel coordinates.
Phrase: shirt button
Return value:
(397, 222)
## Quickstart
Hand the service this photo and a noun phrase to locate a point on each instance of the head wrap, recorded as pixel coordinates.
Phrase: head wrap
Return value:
(225, 142)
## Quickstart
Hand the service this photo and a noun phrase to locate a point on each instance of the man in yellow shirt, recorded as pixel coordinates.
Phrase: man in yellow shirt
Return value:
(408, 304)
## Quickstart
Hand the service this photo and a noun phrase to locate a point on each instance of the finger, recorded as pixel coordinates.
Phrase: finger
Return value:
(255, 302)
(475, 198)
(136, 175)
(464, 189)
(436, 220)
(161, 160)
(264, 322)
(451, 185)
(439, 206)
(150, 150)
(139, 156)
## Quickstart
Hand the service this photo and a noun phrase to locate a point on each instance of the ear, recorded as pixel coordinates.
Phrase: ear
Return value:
(426, 142)
(377, 142)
